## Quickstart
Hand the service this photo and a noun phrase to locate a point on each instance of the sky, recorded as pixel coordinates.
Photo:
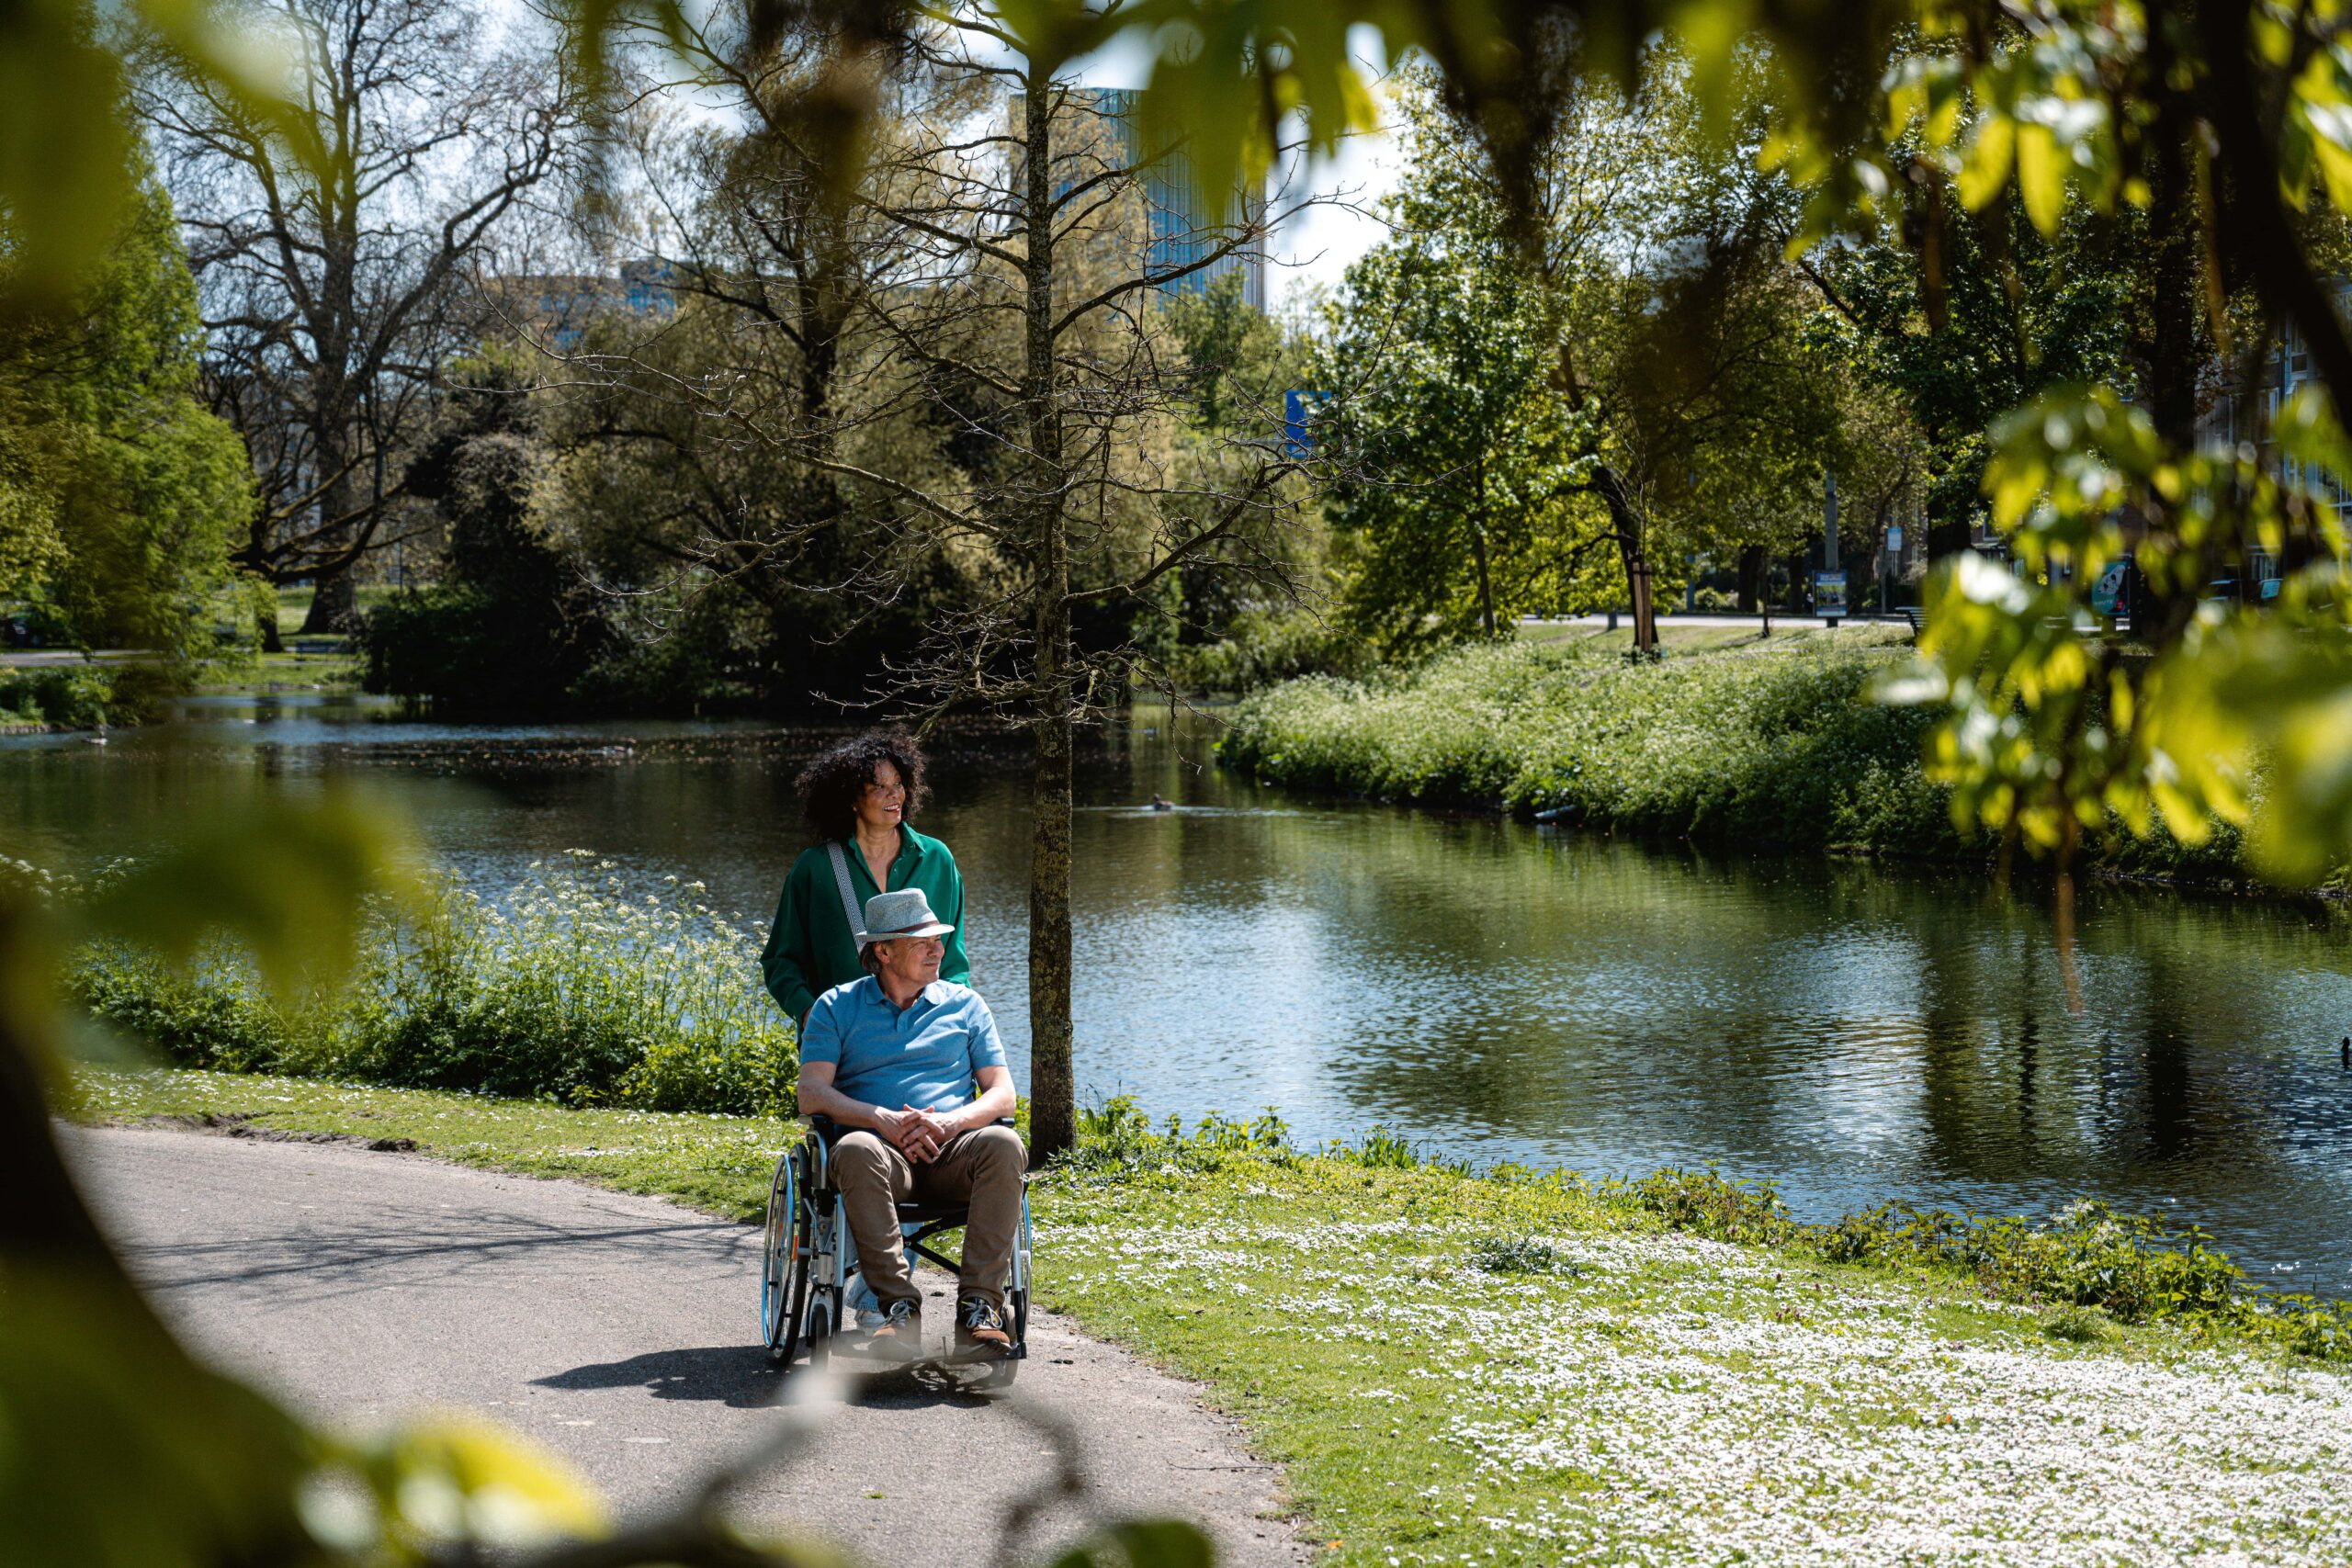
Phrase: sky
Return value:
(1314, 249)
(1316, 245)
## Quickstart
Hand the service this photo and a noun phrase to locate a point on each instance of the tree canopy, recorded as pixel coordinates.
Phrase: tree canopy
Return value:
(1538, 409)
(120, 494)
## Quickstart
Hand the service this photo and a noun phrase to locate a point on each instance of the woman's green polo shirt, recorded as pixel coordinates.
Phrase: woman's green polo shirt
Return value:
(809, 949)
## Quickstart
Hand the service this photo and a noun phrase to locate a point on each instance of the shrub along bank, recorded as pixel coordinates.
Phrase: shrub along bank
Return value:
(82, 696)
(1771, 747)
(567, 989)
(1522, 1369)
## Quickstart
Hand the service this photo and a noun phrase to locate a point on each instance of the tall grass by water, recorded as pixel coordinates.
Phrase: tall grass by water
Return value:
(1763, 745)
(569, 989)
(1769, 746)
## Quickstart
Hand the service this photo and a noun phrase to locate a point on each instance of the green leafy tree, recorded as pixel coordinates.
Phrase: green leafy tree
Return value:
(512, 626)
(1462, 458)
(725, 549)
(1987, 316)
(1224, 622)
(1627, 370)
(119, 493)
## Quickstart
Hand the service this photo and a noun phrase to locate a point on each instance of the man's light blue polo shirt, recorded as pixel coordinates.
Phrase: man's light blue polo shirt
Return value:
(927, 1055)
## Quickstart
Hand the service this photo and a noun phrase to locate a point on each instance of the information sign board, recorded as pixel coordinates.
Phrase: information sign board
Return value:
(1828, 594)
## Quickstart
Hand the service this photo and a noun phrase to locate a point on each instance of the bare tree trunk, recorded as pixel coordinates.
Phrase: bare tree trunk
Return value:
(1633, 551)
(335, 605)
(334, 599)
(1053, 1100)
(1478, 552)
(1755, 575)
(1485, 588)
(1637, 575)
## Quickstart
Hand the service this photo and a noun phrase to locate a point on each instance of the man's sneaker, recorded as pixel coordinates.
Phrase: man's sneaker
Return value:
(980, 1327)
(900, 1337)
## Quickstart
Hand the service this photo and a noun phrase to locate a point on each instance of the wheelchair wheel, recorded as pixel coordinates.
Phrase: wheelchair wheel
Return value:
(784, 1271)
(820, 1327)
(825, 1240)
(1002, 1373)
(1016, 1299)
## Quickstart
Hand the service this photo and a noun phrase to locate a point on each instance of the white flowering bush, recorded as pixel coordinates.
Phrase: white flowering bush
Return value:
(571, 988)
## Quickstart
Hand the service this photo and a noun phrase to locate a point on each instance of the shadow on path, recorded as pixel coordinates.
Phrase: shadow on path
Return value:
(369, 1259)
(739, 1376)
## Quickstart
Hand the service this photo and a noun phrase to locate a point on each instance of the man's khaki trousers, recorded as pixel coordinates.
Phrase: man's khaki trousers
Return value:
(981, 1167)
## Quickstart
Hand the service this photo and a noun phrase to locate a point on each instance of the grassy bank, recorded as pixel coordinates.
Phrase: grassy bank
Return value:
(565, 988)
(1775, 745)
(1524, 1369)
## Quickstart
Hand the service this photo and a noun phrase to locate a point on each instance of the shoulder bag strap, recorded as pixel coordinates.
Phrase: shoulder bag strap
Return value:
(849, 910)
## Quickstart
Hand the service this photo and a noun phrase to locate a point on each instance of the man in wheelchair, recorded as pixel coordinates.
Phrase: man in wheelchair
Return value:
(896, 1056)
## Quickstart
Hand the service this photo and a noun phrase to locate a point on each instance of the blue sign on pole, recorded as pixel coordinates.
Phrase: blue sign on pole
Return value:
(1829, 594)
(1299, 408)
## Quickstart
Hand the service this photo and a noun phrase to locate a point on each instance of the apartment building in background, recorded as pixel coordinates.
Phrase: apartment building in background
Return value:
(1182, 229)
(558, 307)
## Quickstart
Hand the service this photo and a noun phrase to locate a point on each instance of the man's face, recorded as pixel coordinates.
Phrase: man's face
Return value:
(910, 961)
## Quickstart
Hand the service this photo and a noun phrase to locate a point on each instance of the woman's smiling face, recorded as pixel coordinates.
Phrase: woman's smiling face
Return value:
(883, 802)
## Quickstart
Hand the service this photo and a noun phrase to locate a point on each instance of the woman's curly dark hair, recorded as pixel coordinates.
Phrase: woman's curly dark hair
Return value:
(829, 785)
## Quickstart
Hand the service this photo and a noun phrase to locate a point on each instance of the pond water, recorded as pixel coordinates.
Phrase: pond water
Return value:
(1486, 989)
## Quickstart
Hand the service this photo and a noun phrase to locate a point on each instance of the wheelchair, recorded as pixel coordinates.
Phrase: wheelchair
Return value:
(809, 1258)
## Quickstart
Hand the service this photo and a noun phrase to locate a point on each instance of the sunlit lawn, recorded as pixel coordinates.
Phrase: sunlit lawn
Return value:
(294, 604)
(1459, 1370)
(1711, 636)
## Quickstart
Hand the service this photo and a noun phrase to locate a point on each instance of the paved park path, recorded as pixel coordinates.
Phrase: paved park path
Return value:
(621, 1333)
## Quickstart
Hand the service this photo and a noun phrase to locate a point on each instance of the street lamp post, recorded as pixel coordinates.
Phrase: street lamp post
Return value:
(1830, 588)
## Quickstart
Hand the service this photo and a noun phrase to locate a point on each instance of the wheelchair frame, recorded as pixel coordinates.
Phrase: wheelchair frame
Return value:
(809, 1255)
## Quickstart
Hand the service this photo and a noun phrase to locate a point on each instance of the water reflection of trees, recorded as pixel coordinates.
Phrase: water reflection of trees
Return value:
(1569, 993)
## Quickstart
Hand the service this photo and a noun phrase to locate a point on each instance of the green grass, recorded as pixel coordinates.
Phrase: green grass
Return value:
(1773, 744)
(1678, 639)
(718, 1164)
(1528, 1371)
(567, 988)
(294, 604)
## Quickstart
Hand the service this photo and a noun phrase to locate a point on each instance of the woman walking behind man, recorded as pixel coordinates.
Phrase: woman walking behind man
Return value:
(857, 799)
